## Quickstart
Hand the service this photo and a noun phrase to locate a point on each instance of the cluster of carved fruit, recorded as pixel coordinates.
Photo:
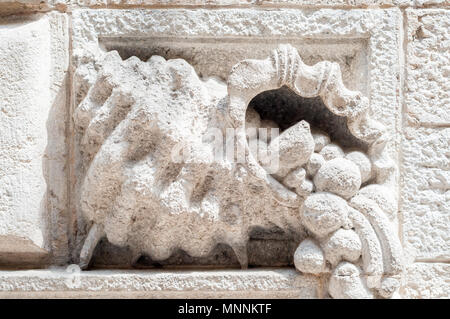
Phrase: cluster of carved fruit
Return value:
(327, 177)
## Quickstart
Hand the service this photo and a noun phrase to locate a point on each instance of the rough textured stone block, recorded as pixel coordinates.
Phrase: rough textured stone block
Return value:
(263, 3)
(33, 61)
(426, 281)
(425, 193)
(427, 93)
(265, 283)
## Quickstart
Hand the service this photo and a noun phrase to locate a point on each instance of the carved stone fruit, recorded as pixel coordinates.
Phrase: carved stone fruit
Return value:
(314, 164)
(363, 162)
(295, 178)
(320, 139)
(346, 282)
(309, 258)
(331, 151)
(339, 176)
(344, 244)
(324, 213)
(295, 146)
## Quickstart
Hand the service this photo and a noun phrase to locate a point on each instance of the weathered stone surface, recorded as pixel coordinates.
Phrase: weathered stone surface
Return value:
(309, 258)
(16, 7)
(32, 143)
(133, 182)
(344, 244)
(425, 193)
(314, 164)
(263, 3)
(283, 283)
(324, 212)
(320, 140)
(378, 29)
(339, 176)
(426, 159)
(384, 197)
(363, 162)
(331, 151)
(427, 82)
(294, 147)
(426, 281)
(368, 48)
(346, 282)
(100, 86)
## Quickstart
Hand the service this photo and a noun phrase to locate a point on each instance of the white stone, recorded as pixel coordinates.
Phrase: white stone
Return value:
(344, 244)
(427, 82)
(138, 176)
(383, 196)
(339, 176)
(33, 216)
(295, 178)
(321, 139)
(349, 4)
(346, 282)
(323, 213)
(365, 47)
(331, 151)
(309, 258)
(396, 58)
(379, 29)
(425, 196)
(363, 162)
(393, 257)
(314, 164)
(426, 281)
(185, 284)
(306, 188)
(295, 146)
(389, 287)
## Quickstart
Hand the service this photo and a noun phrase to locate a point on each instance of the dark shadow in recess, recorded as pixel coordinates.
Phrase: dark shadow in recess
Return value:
(286, 108)
(272, 248)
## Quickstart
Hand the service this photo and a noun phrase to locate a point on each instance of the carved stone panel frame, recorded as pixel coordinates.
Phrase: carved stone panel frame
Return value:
(96, 30)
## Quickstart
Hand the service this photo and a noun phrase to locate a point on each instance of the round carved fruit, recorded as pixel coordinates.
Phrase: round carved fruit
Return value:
(344, 244)
(309, 258)
(324, 213)
(339, 176)
(346, 283)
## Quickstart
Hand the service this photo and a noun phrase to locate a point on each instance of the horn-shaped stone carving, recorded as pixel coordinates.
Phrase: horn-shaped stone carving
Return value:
(135, 193)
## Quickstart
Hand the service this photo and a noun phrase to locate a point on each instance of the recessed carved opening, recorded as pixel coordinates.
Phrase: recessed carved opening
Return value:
(286, 108)
(266, 248)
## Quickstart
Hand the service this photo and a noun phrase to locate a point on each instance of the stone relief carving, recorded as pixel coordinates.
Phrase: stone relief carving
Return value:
(134, 193)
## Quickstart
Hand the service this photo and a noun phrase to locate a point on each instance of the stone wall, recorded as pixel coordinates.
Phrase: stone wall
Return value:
(395, 52)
